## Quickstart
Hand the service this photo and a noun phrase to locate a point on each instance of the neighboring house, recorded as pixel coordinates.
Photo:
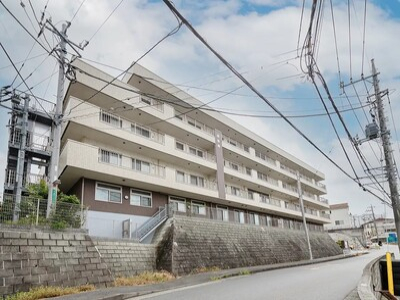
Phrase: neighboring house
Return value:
(384, 226)
(340, 217)
(138, 144)
(37, 150)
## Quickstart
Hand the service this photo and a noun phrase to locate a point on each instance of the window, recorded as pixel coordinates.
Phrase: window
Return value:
(179, 117)
(222, 213)
(198, 208)
(339, 222)
(246, 148)
(238, 216)
(254, 219)
(248, 171)
(110, 157)
(110, 119)
(140, 165)
(179, 146)
(178, 204)
(233, 166)
(250, 195)
(197, 180)
(108, 193)
(264, 198)
(195, 151)
(180, 176)
(140, 198)
(140, 130)
(194, 123)
(235, 191)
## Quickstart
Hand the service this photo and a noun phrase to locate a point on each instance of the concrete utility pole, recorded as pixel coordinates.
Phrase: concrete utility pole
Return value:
(303, 214)
(376, 228)
(58, 116)
(56, 132)
(390, 167)
(19, 177)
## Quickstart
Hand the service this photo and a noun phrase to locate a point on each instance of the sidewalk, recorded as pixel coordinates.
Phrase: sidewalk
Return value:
(119, 293)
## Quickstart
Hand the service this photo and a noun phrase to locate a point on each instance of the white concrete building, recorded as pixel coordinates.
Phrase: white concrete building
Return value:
(340, 217)
(141, 143)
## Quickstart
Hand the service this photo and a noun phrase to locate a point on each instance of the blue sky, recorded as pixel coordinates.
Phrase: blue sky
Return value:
(259, 38)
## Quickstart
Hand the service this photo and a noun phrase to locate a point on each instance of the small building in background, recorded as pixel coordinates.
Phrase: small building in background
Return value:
(385, 229)
(340, 217)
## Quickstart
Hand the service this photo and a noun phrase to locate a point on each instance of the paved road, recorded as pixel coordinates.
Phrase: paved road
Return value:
(329, 281)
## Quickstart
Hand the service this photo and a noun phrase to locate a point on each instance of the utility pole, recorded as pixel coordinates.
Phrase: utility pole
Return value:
(19, 177)
(303, 214)
(56, 132)
(376, 228)
(390, 167)
(53, 181)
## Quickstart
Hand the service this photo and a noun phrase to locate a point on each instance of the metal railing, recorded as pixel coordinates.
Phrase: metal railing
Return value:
(32, 212)
(239, 192)
(126, 162)
(33, 140)
(238, 216)
(42, 105)
(151, 224)
(132, 127)
(289, 187)
(321, 185)
(323, 200)
(325, 215)
(265, 158)
(28, 179)
(238, 168)
(290, 170)
(267, 178)
(235, 143)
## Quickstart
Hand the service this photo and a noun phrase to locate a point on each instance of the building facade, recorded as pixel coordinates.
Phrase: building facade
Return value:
(379, 230)
(341, 217)
(37, 148)
(140, 143)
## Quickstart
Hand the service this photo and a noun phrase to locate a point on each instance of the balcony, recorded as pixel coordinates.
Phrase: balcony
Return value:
(195, 124)
(235, 144)
(34, 141)
(287, 169)
(195, 151)
(235, 191)
(28, 179)
(290, 187)
(132, 127)
(237, 168)
(266, 158)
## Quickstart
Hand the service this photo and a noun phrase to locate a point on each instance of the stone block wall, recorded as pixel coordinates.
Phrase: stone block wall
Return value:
(194, 243)
(29, 259)
(125, 258)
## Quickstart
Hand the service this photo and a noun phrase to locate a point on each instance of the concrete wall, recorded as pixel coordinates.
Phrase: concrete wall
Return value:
(193, 243)
(30, 259)
(125, 258)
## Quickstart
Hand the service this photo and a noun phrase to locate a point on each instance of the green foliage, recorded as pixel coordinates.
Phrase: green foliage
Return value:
(39, 191)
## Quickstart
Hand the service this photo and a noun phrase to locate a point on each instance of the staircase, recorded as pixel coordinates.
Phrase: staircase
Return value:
(151, 224)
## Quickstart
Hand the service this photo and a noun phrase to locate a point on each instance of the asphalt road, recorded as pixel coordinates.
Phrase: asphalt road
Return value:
(328, 281)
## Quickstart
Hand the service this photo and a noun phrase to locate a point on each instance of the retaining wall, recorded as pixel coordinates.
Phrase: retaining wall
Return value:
(30, 259)
(195, 243)
(124, 258)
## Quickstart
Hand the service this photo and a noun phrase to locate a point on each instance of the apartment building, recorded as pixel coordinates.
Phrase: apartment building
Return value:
(140, 143)
(341, 217)
(37, 150)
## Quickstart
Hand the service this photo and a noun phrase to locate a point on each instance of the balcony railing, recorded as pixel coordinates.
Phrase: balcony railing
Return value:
(152, 102)
(308, 194)
(289, 187)
(236, 144)
(238, 168)
(306, 178)
(292, 206)
(194, 123)
(267, 178)
(325, 215)
(28, 179)
(132, 127)
(266, 158)
(239, 193)
(323, 200)
(197, 181)
(131, 163)
(192, 150)
(34, 141)
(290, 170)
(321, 185)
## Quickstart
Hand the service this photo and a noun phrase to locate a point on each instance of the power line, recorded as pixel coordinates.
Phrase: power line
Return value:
(172, 32)
(102, 24)
(76, 12)
(19, 74)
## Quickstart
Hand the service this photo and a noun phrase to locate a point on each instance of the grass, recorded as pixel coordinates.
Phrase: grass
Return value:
(43, 292)
(206, 269)
(144, 278)
(244, 272)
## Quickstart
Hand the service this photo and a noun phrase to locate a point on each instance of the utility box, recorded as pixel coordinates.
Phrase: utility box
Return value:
(371, 131)
(396, 275)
